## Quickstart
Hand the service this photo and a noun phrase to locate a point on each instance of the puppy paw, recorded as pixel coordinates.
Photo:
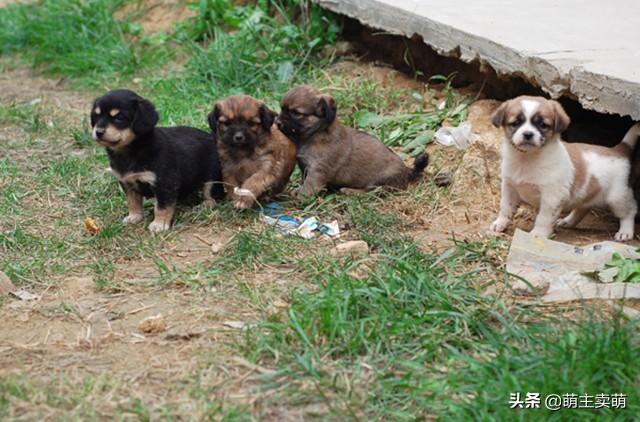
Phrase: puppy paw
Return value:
(541, 232)
(563, 222)
(351, 191)
(499, 225)
(243, 203)
(133, 219)
(303, 193)
(623, 236)
(158, 226)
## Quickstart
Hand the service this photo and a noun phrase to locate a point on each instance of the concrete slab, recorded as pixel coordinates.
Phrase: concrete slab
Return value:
(588, 49)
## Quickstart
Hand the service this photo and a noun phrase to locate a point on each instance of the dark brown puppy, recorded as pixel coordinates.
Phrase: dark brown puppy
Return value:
(332, 155)
(256, 158)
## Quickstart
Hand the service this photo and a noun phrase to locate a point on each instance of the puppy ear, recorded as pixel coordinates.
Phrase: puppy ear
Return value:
(497, 118)
(267, 117)
(562, 120)
(146, 116)
(327, 108)
(214, 116)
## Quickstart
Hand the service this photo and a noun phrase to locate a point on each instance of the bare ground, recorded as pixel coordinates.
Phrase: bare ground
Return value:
(76, 330)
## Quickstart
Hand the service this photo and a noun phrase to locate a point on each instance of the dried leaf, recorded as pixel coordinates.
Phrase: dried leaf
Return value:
(91, 226)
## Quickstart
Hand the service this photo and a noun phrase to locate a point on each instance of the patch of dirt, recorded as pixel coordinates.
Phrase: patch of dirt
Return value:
(377, 72)
(156, 15)
(196, 244)
(4, 3)
(23, 85)
(74, 329)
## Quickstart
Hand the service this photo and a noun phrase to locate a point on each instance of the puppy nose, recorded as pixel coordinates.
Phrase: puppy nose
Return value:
(238, 137)
(528, 135)
(100, 131)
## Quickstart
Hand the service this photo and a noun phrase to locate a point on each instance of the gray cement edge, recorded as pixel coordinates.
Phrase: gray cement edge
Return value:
(597, 92)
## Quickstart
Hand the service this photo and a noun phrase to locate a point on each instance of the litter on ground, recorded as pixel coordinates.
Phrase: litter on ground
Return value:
(307, 228)
(562, 272)
(460, 136)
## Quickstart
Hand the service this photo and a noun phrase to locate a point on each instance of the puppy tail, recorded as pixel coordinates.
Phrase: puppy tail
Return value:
(631, 138)
(419, 165)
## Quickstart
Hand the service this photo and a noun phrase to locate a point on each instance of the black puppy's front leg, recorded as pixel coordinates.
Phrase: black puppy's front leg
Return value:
(134, 204)
(166, 198)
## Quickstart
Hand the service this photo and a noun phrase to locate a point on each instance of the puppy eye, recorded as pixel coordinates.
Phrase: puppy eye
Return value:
(515, 123)
(295, 113)
(543, 126)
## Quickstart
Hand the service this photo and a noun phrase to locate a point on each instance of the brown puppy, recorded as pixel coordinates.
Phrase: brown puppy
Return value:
(335, 156)
(256, 158)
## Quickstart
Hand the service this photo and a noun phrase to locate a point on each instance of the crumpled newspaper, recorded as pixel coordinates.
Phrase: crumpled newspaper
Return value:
(559, 272)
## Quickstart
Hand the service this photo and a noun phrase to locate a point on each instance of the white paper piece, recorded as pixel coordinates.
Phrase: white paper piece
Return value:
(557, 270)
(24, 295)
(242, 192)
(460, 136)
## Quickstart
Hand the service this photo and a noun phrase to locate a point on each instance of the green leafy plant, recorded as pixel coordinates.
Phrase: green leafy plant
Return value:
(628, 269)
(413, 131)
(297, 19)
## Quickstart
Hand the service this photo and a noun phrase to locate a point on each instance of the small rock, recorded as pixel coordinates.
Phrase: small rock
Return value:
(216, 247)
(443, 179)
(340, 48)
(153, 324)
(183, 335)
(241, 325)
(24, 295)
(352, 247)
(280, 303)
(6, 286)
(112, 315)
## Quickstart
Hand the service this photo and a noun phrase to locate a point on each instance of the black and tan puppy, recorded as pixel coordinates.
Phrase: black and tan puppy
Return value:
(338, 157)
(256, 158)
(166, 163)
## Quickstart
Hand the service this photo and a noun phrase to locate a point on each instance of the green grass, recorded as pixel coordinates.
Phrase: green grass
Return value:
(11, 192)
(26, 115)
(76, 38)
(413, 131)
(263, 55)
(90, 397)
(588, 356)
(400, 334)
(415, 339)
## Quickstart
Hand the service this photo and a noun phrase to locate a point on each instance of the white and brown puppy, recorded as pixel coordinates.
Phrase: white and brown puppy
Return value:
(539, 169)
